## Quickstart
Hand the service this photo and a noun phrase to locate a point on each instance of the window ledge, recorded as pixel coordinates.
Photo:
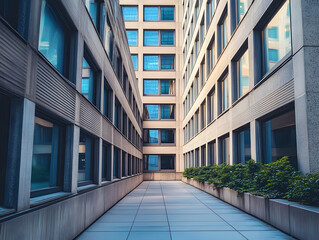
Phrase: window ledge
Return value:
(5, 211)
(46, 198)
(86, 187)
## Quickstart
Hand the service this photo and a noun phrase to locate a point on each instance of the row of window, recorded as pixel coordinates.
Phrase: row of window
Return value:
(155, 62)
(278, 139)
(159, 111)
(151, 13)
(50, 146)
(155, 162)
(152, 37)
(159, 136)
(274, 46)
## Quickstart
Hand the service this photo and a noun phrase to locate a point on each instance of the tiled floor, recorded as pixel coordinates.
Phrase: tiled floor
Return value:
(175, 210)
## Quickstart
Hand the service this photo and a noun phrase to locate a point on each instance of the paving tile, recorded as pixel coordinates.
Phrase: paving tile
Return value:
(153, 218)
(149, 236)
(109, 227)
(103, 235)
(265, 235)
(207, 235)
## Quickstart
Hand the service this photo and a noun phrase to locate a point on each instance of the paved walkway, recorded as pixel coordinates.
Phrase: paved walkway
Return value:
(175, 210)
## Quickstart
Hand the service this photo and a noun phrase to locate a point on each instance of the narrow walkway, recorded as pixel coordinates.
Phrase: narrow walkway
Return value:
(175, 210)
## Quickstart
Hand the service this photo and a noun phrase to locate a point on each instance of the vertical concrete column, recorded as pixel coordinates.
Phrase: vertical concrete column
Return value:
(112, 162)
(304, 22)
(120, 164)
(71, 159)
(255, 141)
(252, 62)
(19, 164)
(98, 168)
(232, 148)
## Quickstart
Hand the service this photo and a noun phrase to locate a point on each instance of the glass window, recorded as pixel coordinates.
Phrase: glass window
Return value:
(151, 112)
(243, 75)
(134, 59)
(242, 6)
(211, 56)
(167, 13)
(129, 13)
(16, 13)
(109, 38)
(86, 159)
(212, 153)
(167, 87)
(52, 38)
(116, 161)
(167, 37)
(167, 112)
(108, 100)
(151, 136)
(211, 106)
(150, 62)
(106, 160)
(131, 37)
(167, 136)
(276, 37)
(117, 113)
(225, 157)
(151, 162)
(224, 32)
(47, 167)
(224, 100)
(151, 87)
(88, 81)
(167, 162)
(243, 146)
(203, 155)
(279, 138)
(151, 37)
(151, 14)
(167, 62)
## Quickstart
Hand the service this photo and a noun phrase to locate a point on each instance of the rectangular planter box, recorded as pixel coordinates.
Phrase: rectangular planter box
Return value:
(279, 210)
(259, 207)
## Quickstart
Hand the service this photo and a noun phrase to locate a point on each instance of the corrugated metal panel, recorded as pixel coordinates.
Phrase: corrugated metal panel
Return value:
(90, 118)
(13, 61)
(54, 91)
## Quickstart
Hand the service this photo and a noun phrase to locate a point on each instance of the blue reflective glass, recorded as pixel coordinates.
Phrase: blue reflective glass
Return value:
(244, 153)
(167, 37)
(151, 14)
(150, 87)
(131, 37)
(92, 6)
(151, 136)
(167, 87)
(243, 75)
(116, 155)
(167, 13)
(129, 13)
(134, 59)
(167, 62)
(87, 81)
(167, 112)
(150, 62)
(45, 155)
(85, 167)
(150, 37)
(167, 136)
(152, 162)
(52, 37)
(151, 111)
(275, 45)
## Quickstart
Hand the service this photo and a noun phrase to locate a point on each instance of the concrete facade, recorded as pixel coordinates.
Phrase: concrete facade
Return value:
(34, 89)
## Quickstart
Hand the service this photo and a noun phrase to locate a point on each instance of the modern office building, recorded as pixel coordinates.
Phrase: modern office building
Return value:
(154, 34)
(71, 116)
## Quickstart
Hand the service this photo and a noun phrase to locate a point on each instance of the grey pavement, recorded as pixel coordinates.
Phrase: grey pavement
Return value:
(167, 210)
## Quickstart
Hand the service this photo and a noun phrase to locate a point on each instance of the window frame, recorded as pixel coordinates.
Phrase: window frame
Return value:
(159, 139)
(160, 112)
(130, 6)
(145, 163)
(159, 87)
(159, 19)
(159, 63)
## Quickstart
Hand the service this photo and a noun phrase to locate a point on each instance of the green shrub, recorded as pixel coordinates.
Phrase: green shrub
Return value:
(273, 180)
(304, 189)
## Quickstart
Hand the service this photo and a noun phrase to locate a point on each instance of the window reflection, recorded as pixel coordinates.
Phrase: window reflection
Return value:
(243, 146)
(243, 75)
(85, 168)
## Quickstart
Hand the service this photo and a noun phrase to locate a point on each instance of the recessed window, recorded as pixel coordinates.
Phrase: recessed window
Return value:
(108, 100)
(151, 136)
(203, 155)
(203, 115)
(210, 9)
(48, 157)
(211, 56)
(131, 37)
(279, 138)
(16, 13)
(109, 38)
(86, 159)
(159, 87)
(167, 136)
(241, 9)
(159, 162)
(96, 9)
(167, 37)
(224, 32)
(158, 62)
(117, 113)
(277, 38)
(224, 95)
(167, 111)
(242, 66)
(53, 40)
(151, 111)
(156, 13)
(243, 146)
(224, 150)
(106, 161)
(116, 162)
(89, 81)
(134, 59)
(212, 153)
(129, 13)
(158, 37)
(211, 114)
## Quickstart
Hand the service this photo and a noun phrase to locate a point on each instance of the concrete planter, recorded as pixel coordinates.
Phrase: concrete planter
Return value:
(295, 219)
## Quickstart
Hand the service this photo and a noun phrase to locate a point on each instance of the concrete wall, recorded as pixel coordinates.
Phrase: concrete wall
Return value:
(162, 176)
(68, 217)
